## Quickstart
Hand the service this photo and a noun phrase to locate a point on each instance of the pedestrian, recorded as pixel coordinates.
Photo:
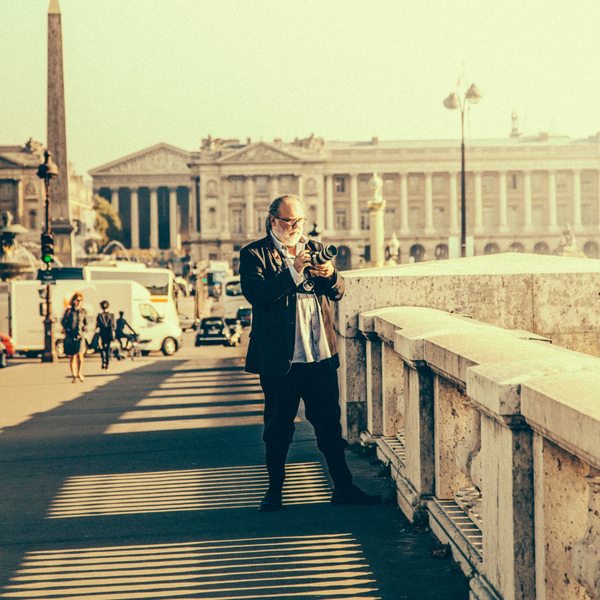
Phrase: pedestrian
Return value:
(121, 335)
(293, 347)
(105, 327)
(74, 324)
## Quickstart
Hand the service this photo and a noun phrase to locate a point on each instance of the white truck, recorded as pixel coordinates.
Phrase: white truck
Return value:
(27, 324)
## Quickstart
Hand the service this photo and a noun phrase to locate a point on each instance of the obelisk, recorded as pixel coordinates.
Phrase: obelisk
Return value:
(61, 225)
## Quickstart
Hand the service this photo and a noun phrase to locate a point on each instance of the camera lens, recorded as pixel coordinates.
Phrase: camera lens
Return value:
(328, 252)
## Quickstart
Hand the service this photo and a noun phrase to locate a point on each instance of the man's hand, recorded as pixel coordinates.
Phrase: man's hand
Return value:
(324, 270)
(302, 261)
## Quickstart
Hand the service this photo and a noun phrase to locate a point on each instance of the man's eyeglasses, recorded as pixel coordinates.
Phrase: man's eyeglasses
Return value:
(292, 222)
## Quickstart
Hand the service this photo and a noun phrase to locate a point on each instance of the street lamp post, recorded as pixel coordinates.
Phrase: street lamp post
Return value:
(47, 171)
(453, 102)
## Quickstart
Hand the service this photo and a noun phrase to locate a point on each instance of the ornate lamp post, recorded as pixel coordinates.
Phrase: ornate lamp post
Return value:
(452, 102)
(47, 171)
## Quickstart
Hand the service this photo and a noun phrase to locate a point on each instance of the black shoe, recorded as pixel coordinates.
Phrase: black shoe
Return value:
(270, 502)
(354, 496)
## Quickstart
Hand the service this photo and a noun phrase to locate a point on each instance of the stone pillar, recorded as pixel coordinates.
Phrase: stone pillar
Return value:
(300, 182)
(429, 204)
(577, 199)
(20, 212)
(321, 210)
(114, 199)
(354, 228)
(249, 199)
(329, 226)
(192, 203)
(527, 225)
(173, 229)
(154, 218)
(135, 220)
(404, 228)
(553, 226)
(274, 183)
(478, 204)
(454, 225)
(223, 215)
(503, 207)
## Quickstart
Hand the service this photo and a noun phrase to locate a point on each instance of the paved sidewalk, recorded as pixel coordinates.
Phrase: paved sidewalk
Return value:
(144, 483)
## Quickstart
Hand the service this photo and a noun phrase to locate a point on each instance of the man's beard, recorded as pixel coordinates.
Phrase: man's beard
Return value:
(287, 238)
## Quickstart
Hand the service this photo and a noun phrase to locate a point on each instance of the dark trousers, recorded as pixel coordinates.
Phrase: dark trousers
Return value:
(317, 385)
(105, 350)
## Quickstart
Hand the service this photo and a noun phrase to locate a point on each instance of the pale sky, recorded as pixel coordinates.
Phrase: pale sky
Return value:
(139, 72)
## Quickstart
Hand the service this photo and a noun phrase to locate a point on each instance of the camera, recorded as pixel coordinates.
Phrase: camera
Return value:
(317, 258)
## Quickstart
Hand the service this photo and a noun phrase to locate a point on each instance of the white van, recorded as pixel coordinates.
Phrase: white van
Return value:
(27, 326)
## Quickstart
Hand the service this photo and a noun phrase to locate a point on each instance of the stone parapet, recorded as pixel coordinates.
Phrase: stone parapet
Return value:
(497, 445)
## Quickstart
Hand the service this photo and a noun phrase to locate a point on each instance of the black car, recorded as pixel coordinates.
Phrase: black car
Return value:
(214, 330)
(244, 315)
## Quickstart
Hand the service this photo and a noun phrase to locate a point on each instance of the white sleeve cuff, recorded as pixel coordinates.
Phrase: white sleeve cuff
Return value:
(298, 279)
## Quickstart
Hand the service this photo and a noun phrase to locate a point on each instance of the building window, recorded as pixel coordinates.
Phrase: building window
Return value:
(286, 184)
(30, 190)
(32, 219)
(237, 221)
(587, 214)
(537, 182)
(261, 185)
(511, 181)
(541, 248)
(487, 183)
(236, 187)
(590, 249)
(7, 190)
(414, 183)
(561, 181)
(491, 249)
(438, 183)
(586, 179)
(414, 218)
(340, 185)
(212, 218)
(363, 186)
(389, 186)
(340, 220)
(365, 221)
(537, 215)
(489, 217)
(211, 188)
(261, 219)
(439, 218)
(562, 214)
(212, 257)
(389, 223)
(513, 217)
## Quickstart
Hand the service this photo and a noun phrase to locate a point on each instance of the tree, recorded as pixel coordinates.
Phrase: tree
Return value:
(108, 223)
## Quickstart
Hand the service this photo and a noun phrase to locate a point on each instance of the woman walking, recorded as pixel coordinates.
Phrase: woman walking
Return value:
(74, 323)
(105, 327)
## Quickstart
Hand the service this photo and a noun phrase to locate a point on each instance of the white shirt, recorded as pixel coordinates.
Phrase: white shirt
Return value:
(311, 343)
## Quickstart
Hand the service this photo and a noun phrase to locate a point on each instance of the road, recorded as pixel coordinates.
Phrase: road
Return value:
(143, 482)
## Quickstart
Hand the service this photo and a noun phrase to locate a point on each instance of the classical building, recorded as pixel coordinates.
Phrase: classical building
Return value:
(522, 192)
(22, 192)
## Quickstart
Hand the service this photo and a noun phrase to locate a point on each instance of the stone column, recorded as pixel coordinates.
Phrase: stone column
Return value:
(527, 201)
(329, 226)
(577, 199)
(249, 199)
(321, 210)
(191, 224)
(154, 218)
(114, 199)
(429, 204)
(274, 183)
(173, 229)
(300, 181)
(478, 204)
(553, 226)
(454, 226)
(354, 228)
(404, 228)
(503, 208)
(223, 214)
(135, 220)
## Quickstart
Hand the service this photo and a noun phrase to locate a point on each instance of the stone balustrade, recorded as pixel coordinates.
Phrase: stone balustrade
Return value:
(476, 378)
(493, 437)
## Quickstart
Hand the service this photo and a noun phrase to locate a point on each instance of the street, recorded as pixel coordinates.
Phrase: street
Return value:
(143, 482)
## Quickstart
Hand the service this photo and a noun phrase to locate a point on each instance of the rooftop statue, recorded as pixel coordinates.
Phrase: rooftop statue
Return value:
(568, 245)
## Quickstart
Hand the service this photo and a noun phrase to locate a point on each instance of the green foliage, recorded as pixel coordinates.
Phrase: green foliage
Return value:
(108, 223)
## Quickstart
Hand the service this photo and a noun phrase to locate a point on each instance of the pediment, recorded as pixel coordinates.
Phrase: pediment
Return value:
(260, 152)
(157, 160)
(5, 163)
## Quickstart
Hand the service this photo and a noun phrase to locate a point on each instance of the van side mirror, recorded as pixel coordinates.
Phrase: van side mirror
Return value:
(159, 319)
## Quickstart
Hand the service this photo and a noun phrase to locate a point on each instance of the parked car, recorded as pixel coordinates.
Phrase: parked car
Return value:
(3, 356)
(187, 322)
(214, 330)
(244, 315)
(8, 344)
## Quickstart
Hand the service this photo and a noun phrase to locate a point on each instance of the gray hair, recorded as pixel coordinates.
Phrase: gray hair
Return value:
(274, 208)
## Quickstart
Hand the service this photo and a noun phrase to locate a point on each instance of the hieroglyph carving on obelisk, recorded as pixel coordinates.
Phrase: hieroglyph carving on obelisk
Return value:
(62, 228)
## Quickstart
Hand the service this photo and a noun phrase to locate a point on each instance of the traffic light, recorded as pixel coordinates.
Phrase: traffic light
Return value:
(47, 247)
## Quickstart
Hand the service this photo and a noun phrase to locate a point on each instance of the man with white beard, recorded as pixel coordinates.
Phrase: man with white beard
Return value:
(293, 347)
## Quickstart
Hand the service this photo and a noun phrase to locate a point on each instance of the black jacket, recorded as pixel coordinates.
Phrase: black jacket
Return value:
(269, 287)
(105, 322)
